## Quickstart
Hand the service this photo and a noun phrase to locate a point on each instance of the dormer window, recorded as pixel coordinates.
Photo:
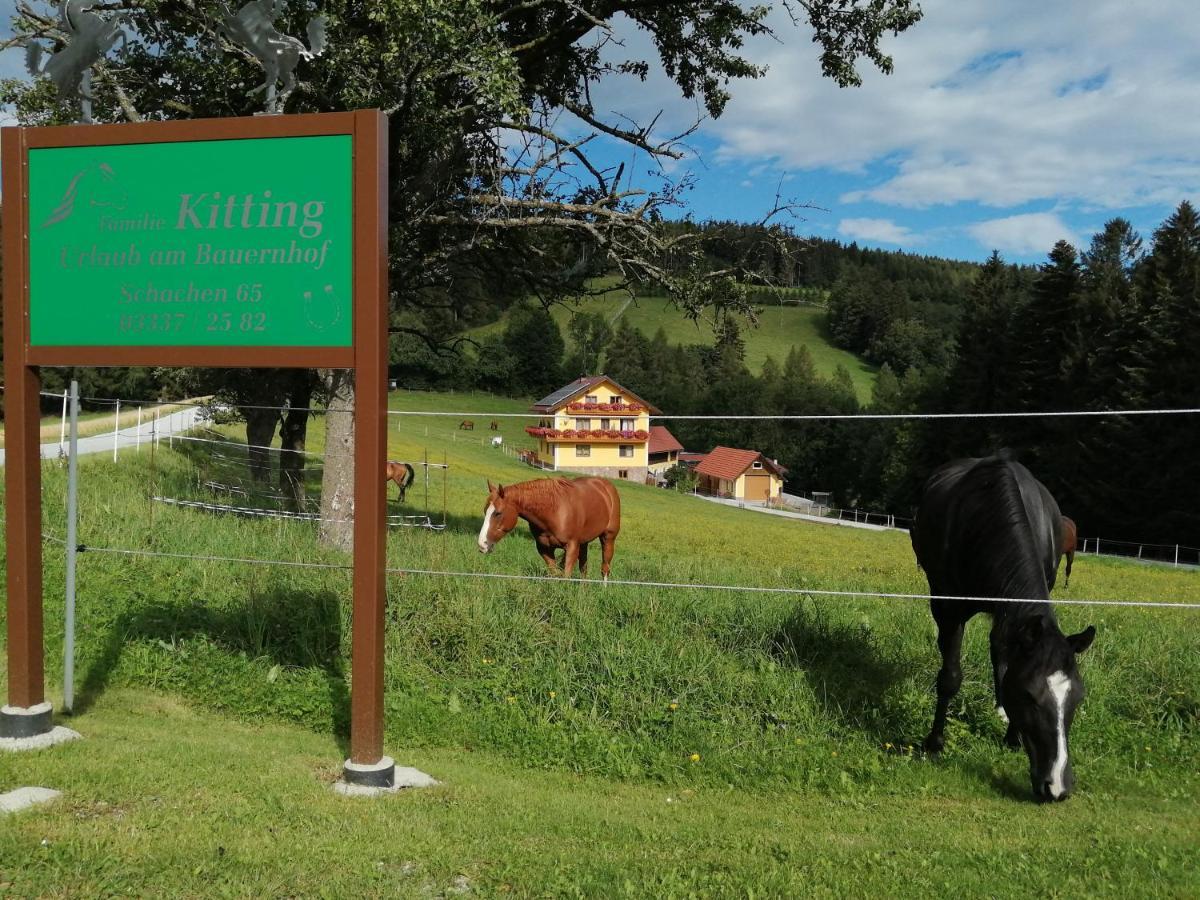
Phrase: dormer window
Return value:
(757, 465)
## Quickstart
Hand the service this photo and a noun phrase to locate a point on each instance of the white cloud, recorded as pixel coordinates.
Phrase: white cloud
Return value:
(1078, 101)
(881, 231)
(1031, 233)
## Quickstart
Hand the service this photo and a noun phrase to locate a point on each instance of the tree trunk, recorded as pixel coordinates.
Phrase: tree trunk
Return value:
(293, 432)
(260, 431)
(337, 483)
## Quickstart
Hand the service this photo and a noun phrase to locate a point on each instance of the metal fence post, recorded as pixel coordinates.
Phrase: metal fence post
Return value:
(72, 534)
(62, 431)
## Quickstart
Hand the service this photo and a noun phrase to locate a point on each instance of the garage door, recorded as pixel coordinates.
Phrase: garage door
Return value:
(758, 487)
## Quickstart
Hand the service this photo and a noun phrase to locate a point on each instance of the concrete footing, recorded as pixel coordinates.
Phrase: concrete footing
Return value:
(56, 735)
(383, 777)
(26, 721)
(31, 728)
(23, 798)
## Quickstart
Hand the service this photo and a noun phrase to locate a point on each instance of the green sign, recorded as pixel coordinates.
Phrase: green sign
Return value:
(224, 243)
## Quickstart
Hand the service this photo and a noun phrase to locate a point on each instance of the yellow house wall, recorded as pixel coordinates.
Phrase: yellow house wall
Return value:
(564, 419)
(603, 455)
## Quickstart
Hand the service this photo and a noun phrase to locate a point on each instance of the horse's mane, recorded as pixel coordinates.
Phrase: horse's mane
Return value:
(991, 520)
(539, 495)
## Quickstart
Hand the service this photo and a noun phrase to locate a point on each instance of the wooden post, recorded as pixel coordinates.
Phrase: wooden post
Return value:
(370, 448)
(22, 458)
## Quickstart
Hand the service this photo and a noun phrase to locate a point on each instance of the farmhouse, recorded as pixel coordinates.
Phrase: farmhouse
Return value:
(595, 427)
(740, 475)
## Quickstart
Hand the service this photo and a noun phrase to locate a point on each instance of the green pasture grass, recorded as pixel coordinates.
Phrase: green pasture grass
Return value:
(807, 705)
(164, 799)
(780, 328)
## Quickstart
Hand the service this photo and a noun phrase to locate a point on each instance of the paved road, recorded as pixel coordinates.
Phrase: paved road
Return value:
(176, 423)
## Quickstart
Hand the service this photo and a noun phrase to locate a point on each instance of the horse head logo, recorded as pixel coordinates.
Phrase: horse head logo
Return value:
(95, 186)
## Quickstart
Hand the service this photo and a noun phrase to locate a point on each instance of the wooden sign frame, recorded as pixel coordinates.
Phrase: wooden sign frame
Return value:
(27, 712)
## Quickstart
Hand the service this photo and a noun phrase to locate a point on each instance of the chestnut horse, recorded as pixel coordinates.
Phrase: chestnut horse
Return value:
(562, 513)
(466, 425)
(1070, 538)
(399, 473)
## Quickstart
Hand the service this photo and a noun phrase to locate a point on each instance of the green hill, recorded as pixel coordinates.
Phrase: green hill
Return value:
(781, 326)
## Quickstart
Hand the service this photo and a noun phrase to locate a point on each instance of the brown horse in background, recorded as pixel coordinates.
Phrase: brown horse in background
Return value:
(562, 513)
(495, 426)
(1067, 544)
(466, 425)
(399, 473)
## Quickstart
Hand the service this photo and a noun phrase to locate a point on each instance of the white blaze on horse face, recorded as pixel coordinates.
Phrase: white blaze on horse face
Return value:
(485, 546)
(1060, 687)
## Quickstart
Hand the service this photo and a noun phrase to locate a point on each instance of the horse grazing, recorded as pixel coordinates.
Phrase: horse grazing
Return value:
(466, 425)
(562, 514)
(401, 474)
(1070, 538)
(988, 528)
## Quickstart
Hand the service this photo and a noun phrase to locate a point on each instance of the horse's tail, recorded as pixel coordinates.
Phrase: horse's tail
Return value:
(316, 36)
(33, 58)
(411, 476)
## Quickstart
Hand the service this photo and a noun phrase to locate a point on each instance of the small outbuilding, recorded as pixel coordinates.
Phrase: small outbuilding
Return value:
(664, 450)
(740, 475)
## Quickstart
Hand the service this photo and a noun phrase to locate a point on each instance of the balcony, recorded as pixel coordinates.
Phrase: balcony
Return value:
(596, 436)
(605, 408)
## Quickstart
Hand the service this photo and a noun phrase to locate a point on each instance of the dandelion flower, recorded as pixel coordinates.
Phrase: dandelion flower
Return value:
(695, 757)
(834, 753)
(553, 695)
(511, 699)
(888, 746)
(673, 707)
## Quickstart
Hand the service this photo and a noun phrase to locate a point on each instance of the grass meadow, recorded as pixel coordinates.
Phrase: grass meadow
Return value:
(592, 741)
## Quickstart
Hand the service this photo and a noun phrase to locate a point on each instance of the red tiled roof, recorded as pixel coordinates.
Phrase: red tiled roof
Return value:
(662, 441)
(729, 463)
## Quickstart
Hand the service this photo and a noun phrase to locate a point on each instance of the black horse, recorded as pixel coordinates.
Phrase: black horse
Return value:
(988, 528)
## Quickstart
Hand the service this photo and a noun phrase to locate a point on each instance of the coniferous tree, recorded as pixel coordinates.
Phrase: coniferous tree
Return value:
(535, 346)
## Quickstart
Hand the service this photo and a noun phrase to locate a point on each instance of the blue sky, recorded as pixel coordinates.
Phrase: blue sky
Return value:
(1004, 126)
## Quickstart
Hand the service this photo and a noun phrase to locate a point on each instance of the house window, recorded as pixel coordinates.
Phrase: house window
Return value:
(627, 451)
(757, 465)
(628, 424)
(605, 424)
(622, 473)
(591, 398)
(583, 449)
(614, 398)
(583, 424)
